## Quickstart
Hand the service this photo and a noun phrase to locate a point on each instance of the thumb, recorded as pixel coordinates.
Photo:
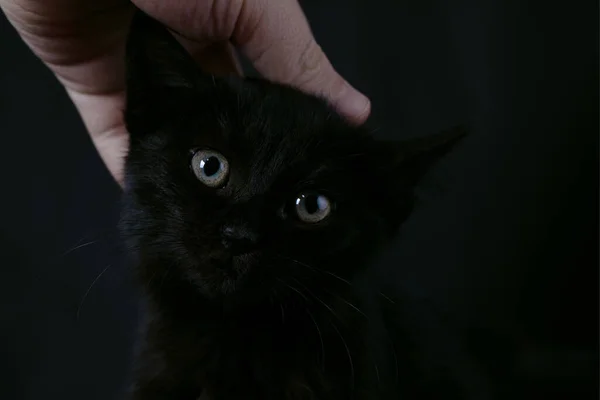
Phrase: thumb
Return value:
(277, 39)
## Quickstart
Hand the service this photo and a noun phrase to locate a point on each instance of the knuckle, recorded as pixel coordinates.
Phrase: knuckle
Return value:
(316, 74)
(336, 87)
(310, 64)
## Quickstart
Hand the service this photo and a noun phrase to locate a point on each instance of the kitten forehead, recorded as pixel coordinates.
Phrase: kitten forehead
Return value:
(272, 134)
(270, 159)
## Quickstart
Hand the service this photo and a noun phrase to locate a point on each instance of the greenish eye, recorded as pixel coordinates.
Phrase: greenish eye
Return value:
(210, 167)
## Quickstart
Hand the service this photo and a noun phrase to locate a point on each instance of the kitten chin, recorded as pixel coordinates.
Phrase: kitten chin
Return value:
(251, 211)
(231, 275)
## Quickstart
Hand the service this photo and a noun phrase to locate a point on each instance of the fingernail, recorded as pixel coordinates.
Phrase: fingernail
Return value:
(354, 105)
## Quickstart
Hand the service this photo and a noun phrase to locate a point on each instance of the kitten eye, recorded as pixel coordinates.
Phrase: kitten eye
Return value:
(312, 207)
(210, 167)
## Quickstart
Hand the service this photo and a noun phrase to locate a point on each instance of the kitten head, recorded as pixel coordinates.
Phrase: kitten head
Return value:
(236, 185)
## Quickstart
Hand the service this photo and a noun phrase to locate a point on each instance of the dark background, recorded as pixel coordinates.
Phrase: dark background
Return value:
(510, 240)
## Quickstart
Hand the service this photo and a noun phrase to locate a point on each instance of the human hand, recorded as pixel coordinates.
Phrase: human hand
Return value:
(83, 43)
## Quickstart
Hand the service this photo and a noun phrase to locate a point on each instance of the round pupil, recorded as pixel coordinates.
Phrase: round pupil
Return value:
(211, 165)
(311, 204)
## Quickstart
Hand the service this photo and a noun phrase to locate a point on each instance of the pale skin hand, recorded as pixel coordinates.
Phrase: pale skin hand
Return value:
(82, 42)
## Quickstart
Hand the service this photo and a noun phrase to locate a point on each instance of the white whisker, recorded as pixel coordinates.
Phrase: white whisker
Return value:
(282, 313)
(358, 310)
(312, 268)
(387, 298)
(90, 288)
(318, 299)
(152, 277)
(336, 276)
(347, 352)
(293, 288)
(77, 247)
(320, 338)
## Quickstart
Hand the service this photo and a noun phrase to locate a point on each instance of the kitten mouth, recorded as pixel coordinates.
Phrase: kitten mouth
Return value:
(237, 264)
(233, 271)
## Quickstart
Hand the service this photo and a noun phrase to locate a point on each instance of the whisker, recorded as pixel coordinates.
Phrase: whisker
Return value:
(387, 298)
(318, 299)
(335, 276)
(77, 247)
(90, 288)
(358, 310)
(347, 352)
(293, 288)
(152, 277)
(347, 156)
(296, 261)
(297, 291)
(312, 268)
(320, 338)
(355, 308)
(282, 313)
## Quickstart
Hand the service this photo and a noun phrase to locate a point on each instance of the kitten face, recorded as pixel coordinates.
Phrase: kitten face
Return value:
(231, 190)
(239, 185)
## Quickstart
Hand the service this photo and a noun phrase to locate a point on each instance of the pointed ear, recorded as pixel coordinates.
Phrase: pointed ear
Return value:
(154, 58)
(155, 62)
(412, 159)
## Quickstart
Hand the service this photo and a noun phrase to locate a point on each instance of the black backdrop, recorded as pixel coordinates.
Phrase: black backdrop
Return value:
(511, 239)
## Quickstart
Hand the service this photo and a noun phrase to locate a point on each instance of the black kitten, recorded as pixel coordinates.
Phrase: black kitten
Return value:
(252, 211)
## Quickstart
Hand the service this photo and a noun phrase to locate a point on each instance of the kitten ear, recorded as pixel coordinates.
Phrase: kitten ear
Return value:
(413, 158)
(154, 58)
(155, 61)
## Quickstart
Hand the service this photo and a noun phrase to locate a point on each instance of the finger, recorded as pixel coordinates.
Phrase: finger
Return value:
(218, 58)
(103, 118)
(274, 35)
(112, 146)
(277, 39)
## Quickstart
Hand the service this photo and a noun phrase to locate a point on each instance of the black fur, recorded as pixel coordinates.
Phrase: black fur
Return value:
(293, 318)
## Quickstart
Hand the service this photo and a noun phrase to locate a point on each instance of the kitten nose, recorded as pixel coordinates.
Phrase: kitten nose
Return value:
(239, 238)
